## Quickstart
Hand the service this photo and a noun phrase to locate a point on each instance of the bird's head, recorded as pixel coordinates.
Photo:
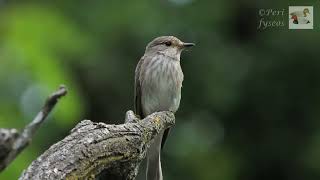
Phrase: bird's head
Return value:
(306, 11)
(294, 17)
(168, 45)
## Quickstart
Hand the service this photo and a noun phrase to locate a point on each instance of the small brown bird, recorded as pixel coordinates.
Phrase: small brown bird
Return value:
(158, 82)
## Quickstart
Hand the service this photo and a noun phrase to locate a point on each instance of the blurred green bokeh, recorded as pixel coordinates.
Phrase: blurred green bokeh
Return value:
(250, 104)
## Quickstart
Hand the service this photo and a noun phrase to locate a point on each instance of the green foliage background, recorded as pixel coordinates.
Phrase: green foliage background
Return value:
(250, 99)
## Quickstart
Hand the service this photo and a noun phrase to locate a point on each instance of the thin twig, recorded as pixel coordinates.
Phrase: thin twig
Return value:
(25, 137)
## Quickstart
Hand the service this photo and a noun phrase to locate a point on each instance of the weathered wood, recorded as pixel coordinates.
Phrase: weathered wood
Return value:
(93, 148)
(12, 142)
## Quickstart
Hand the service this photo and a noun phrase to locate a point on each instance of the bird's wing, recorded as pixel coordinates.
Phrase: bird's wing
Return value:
(137, 98)
(137, 90)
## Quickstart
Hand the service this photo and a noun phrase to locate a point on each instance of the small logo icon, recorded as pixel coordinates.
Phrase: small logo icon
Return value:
(300, 17)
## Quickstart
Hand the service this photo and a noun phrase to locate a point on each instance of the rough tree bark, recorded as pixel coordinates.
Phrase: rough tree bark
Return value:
(12, 142)
(93, 148)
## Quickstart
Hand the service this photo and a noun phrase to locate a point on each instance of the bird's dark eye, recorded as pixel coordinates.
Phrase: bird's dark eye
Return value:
(168, 43)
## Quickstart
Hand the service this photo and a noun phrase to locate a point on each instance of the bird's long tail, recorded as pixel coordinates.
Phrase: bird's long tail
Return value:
(154, 171)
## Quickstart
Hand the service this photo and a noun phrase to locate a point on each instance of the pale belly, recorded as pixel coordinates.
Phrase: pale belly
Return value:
(161, 98)
(162, 94)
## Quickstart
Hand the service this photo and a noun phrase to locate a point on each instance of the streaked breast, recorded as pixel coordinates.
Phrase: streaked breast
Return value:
(161, 85)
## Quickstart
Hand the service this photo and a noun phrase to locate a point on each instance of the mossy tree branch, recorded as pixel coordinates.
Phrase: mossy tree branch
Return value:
(92, 148)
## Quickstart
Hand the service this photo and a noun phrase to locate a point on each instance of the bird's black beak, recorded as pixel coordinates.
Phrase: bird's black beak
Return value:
(186, 45)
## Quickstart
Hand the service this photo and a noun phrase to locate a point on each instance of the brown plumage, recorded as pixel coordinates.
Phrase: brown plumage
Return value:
(158, 82)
